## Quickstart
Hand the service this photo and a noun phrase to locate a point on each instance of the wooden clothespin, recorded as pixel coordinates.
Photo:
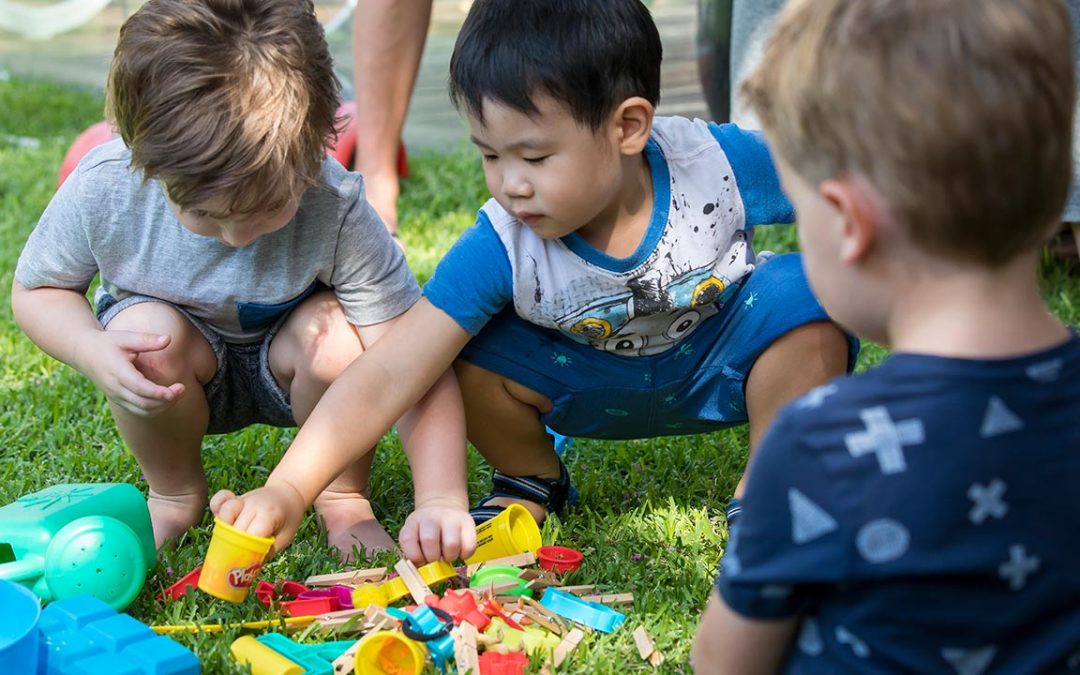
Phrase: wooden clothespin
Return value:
(350, 578)
(578, 590)
(344, 621)
(646, 649)
(568, 644)
(551, 616)
(465, 637)
(517, 560)
(611, 598)
(411, 576)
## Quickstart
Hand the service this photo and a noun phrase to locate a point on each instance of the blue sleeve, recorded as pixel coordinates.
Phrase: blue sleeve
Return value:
(789, 543)
(755, 173)
(473, 281)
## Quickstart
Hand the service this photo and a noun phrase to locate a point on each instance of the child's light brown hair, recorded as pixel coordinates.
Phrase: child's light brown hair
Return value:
(229, 100)
(959, 112)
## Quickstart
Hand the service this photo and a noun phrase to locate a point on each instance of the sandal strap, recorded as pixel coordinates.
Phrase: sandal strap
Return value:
(548, 492)
(551, 493)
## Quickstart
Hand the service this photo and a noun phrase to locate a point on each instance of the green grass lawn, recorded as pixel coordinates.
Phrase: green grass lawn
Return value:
(650, 517)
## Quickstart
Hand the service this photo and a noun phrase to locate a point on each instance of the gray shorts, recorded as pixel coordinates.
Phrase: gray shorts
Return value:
(243, 391)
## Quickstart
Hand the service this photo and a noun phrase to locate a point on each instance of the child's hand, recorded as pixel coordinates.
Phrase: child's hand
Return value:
(110, 363)
(438, 529)
(274, 510)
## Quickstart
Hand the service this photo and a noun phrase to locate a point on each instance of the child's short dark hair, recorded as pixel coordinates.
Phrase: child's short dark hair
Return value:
(588, 54)
(958, 112)
(230, 99)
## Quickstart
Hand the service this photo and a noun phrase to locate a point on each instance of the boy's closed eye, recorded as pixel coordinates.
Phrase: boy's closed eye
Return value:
(536, 160)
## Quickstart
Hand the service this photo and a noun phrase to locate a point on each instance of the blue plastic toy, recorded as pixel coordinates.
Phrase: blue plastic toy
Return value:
(18, 630)
(424, 624)
(592, 614)
(84, 636)
(70, 540)
(314, 659)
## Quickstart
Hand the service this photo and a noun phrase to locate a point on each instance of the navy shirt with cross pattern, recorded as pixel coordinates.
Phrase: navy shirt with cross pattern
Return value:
(921, 517)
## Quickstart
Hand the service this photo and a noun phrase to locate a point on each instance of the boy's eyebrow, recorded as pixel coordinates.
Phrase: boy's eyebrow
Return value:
(526, 144)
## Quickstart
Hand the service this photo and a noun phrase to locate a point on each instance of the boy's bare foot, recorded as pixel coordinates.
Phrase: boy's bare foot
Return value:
(172, 515)
(351, 522)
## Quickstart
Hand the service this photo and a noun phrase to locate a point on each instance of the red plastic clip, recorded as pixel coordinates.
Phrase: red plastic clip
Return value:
(494, 663)
(177, 590)
(268, 592)
(310, 606)
(462, 606)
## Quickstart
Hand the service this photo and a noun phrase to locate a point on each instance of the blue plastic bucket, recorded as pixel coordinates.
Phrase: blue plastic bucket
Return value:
(18, 630)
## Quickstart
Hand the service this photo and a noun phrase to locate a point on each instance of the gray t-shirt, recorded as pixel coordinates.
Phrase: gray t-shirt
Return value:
(105, 218)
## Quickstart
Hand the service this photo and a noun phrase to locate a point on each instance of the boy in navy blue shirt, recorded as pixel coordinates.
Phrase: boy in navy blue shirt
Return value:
(920, 517)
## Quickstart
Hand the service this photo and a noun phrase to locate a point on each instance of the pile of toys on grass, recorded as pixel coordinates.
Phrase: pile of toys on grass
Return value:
(85, 550)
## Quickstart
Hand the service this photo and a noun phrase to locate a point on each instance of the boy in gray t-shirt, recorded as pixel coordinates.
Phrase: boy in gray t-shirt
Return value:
(241, 269)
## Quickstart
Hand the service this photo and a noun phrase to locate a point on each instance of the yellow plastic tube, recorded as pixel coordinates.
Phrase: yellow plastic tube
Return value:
(262, 659)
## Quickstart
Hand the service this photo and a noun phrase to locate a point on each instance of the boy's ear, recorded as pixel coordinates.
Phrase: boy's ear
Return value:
(631, 124)
(860, 216)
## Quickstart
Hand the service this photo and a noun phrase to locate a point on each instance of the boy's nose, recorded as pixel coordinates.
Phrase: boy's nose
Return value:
(516, 186)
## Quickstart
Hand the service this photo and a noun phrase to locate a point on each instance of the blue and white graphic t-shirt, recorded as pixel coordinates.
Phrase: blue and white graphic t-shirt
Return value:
(921, 518)
(711, 185)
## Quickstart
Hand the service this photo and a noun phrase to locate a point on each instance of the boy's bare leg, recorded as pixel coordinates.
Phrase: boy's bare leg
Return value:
(167, 445)
(800, 360)
(314, 345)
(502, 421)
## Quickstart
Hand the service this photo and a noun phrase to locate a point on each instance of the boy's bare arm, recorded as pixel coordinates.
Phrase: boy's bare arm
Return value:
(61, 323)
(354, 413)
(433, 435)
(729, 643)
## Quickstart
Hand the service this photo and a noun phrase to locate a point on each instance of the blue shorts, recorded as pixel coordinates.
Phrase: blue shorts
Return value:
(694, 387)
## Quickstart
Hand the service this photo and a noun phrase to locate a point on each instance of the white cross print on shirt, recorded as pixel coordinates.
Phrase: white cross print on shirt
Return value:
(885, 439)
(1018, 567)
(816, 396)
(988, 501)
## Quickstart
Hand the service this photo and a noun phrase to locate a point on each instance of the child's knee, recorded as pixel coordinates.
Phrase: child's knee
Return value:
(188, 356)
(317, 340)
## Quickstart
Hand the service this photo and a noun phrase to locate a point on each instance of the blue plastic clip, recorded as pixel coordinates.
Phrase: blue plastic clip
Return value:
(425, 624)
(592, 614)
(315, 659)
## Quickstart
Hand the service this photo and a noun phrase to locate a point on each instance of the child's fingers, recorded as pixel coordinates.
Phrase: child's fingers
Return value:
(140, 342)
(138, 384)
(261, 523)
(219, 500)
(231, 511)
(468, 538)
(410, 545)
(430, 534)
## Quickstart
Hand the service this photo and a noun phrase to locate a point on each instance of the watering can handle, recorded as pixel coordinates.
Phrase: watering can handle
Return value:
(23, 570)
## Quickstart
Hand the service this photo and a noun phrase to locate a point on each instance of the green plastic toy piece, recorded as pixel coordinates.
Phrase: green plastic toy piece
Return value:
(75, 539)
(498, 574)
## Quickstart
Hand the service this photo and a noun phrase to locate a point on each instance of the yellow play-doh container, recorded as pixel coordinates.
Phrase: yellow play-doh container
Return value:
(389, 653)
(232, 561)
(511, 532)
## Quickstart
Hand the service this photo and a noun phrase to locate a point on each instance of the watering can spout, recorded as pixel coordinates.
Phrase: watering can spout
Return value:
(27, 569)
